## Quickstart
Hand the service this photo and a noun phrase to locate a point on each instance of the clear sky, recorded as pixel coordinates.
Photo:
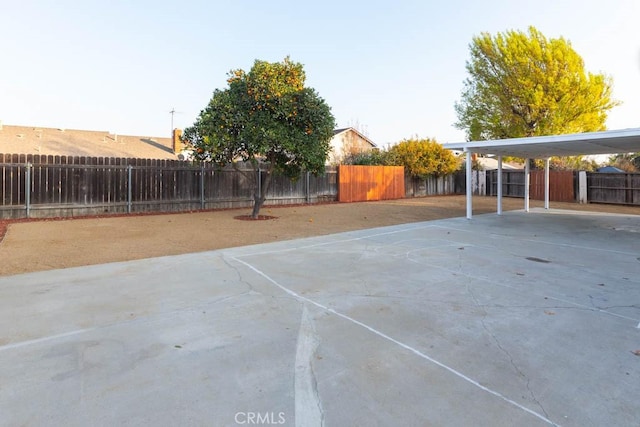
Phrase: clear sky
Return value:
(394, 69)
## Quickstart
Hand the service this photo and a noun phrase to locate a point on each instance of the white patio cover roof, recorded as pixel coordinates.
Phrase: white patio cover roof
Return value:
(540, 147)
(543, 147)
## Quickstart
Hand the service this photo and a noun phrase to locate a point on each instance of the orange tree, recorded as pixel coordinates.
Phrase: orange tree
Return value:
(423, 158)
(268, 119)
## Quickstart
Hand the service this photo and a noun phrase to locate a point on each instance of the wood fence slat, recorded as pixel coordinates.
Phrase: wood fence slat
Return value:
(16, 184)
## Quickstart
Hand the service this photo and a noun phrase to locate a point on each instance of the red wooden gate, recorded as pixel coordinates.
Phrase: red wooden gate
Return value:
(365, 183)
(561, 186)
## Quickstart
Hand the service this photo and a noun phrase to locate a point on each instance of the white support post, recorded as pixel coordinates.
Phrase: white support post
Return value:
(499, 185)
(469, 188)
(546, 183)
(526, 184)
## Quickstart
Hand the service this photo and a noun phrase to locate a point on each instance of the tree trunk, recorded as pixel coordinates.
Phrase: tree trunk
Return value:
(260, 191)
(257, 204)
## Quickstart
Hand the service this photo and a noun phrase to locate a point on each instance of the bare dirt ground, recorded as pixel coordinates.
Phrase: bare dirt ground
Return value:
(50, 244)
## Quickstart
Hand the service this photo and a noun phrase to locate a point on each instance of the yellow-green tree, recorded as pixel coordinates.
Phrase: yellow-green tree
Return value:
(523, 84)
(423, 158)
(573, 163)
(267, 118)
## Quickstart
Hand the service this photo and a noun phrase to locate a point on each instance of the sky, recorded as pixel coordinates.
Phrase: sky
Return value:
(392, 69)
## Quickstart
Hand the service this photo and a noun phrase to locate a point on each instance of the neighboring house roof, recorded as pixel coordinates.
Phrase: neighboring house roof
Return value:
(341, 130)
(73, 142)
(609, 169)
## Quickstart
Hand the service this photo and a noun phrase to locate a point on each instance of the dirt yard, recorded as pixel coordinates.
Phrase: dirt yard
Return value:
(50, 244)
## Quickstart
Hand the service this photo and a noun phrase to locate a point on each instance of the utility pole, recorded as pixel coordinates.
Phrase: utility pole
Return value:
(172, 112)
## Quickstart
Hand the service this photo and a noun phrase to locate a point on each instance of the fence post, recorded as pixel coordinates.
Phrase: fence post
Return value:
(259, 181)
(482, 183)
(474, 182)
(628, 193)
(129, 169)
(307, 189)
(202, 201)
(582, 187)
(27, 189)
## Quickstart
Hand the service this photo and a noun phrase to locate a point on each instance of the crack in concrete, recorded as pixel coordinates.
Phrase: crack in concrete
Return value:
(407, 347)
(607, 307)
(240, 278)
(308, 407)
(559, 307)
(460, 272)
(506, 352)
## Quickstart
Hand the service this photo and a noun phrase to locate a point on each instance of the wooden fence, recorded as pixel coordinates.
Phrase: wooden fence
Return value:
(616, 188)
(436, 186)
(561, 184)
(47, 186)
(366, 183)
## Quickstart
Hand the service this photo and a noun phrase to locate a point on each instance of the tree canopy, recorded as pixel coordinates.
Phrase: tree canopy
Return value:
(420, 157)
(523, 84)
(267, 118)
(375, 157)
(423, 157)
(628, 162)
(569, 163)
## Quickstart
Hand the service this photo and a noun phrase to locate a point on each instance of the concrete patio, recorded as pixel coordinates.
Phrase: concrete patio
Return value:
(521, 319)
